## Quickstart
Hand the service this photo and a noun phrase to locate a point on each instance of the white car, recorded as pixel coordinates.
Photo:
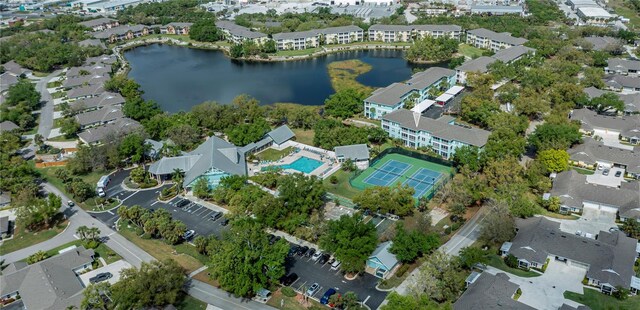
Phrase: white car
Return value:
(188, 234)
(335, 265)
(316, 256)
(313, 289)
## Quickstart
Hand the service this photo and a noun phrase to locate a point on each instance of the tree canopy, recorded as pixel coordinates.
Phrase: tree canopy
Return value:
(396, 200)
(351, 241)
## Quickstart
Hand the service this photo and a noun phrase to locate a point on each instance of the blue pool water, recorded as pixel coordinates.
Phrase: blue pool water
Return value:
(302, 164)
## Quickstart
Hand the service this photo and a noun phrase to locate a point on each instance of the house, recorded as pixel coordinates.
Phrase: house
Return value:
(596, 16)
(488, 292)
(417, 89)
(631, 100)
(576, 195)
(604, 43)
(84, 80)
(442, 135)
(99, 117)
(103, 59)
(5, 199)
(119, 127)
(484, 38)
(357, 153)
(7, 80)
(50, 284)
(98, 69)
(103, 100)
(5, 226)
(342, 35)
(13, 68)
(623, 83)
(100, 24)
(514, 53)
(382, 262)
(276, 137)
(592, 153)
(482, 63)
(297, 40)
(121, 33)
(213, 160)
(622, 66)
(238, 34)
(608, 260)
(498, 9)
(92, 42)
(594, 124)
(8, 126)
(176, 28)
(86, 91)
(407, 33)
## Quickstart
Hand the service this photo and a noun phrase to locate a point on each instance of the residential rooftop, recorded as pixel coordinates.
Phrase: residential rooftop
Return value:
(592, 151)
(490, 292)
(503, 37)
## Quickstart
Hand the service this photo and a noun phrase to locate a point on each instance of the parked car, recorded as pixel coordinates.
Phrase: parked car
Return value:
(70, 204)
(224, 221)
(101, 277)
(310, 252)
(302, 250)
(182, 202)
(188, 234)
(294, 250)
(316, 256)
(335, 265)
(325, 298)
(313, 289)
(605, 172)
(618, 173)
(323, 259)
(216, 215)
(289, 279)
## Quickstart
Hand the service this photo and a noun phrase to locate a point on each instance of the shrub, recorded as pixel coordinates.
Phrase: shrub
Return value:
(402, 270)
(91, 244)
(511, 261)
(289, 292)
(36, 257)
(333, 179)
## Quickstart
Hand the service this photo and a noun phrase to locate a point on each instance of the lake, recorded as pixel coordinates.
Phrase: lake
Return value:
(179, 77)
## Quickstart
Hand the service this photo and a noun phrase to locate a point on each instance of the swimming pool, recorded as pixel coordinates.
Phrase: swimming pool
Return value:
(302, 164)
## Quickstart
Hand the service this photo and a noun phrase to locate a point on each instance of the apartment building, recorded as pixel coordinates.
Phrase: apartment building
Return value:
(342, 35)
(485, 38)
(237, 34)
(297, 40)
(407, 33)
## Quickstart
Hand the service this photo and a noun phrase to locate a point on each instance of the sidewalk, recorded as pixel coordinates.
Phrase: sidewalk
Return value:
(206, 204)
(292, 239)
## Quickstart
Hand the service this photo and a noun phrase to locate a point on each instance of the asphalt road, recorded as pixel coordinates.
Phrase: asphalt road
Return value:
(46, 112)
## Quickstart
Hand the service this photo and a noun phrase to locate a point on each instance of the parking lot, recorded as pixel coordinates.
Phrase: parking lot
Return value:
(310, 272)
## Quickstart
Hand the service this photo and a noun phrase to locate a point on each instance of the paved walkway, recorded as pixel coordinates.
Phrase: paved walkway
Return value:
(46, 115)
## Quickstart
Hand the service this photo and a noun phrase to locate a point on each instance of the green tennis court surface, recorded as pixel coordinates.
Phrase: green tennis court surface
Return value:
(395, 169)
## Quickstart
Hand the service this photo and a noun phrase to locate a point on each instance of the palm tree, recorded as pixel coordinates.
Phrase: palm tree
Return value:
(83, 232)
(93, 232)
(178, 177)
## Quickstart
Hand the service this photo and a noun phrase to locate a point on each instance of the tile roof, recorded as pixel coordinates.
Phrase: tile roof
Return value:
(503, 37)
(353, 152)
(438, 128)
(490, 292)
(610, 257)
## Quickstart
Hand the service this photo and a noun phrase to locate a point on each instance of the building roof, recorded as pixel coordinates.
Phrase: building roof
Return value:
(281, 134)
(7, 80)
(104, 100)
(490, 292)
(14, 68)
(383, 255)
(8, 126)
(4, 224)
(573, 190)
(438, 127)
(622, 81)
(390, 95)
(610, 257)
(623, 65)
(427, 78)
(509, 9)
(512, 53)
(179, 25)
(479, 64)
(335, 30)
(49, 284)
(601, 43)
(97, 22)
(381, 27)
(103, 115)
(592, 120)
(92, 42)
(84, 91)
(94, 69)
(85, 80)
(503, 37)
(353, 152)
(117, 31)
(121, 126)
(239, 31)
(592, 151)
(631, 101)
(594, 12)
(296, 35)
(102, 59)
(434, 28)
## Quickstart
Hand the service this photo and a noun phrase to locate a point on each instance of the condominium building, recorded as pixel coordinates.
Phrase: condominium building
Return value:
(484, 38)
(407, 33)
(238, 34)
(342, 35)
(297, 40)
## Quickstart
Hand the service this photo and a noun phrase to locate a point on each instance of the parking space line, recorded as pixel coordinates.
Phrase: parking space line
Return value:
(380, 223)
(129, 196)
(196, 210)
(204, 211)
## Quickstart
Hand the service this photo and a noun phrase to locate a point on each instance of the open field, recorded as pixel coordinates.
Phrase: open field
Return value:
(304, 136)
(469, 51)
(273, 154)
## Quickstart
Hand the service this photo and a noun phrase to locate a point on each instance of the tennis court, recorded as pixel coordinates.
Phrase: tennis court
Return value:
(395, 169)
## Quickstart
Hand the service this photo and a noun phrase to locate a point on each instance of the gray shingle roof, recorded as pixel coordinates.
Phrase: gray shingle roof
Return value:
(490, 292)
(479, 64)
(504, 37)
(7, 80)
(390, 95)
(424, 79)
(509, 54)
(239, 31)
(631, 100)
(104, 115)
(8, 126)
(623, 65)
(104, 100)
(84, 80)
(610, 258)
(382, 253)
(592, 151)
(92, 42)
(600, 43)
(103, 59)
(592, 120)
(296, 35)
(334, 30)
(14, 68)
(620, 81)
(120, 127)
(96, 69)
(432, 28)
(49, 284)
(97, 22)
(119, 30)
(353, 152)
(88, 90)
(573, 190)
(439, 128)
(281, 134)
(179, 25)
(381, 27)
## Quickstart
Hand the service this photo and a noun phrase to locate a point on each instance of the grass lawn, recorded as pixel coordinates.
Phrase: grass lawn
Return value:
(190, 303)
(102, 251)
(470, 51)
(40, 74)
(583, 171)
(23, 239)
(58, 94)
(497, 262)
(343, 75)
(342, 188)
(304, 52)
(273, 154)
(161, 250)
(596, 300)
(91, 178)
(54, 84)
(62, 138)
(560, 216)
(304, 136)
(291, 303)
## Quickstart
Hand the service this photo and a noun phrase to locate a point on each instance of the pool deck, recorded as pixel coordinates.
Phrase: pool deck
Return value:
(329, 165)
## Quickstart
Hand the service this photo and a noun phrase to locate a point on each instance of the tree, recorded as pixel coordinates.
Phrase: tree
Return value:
(469, 157)
(25, 93)
(498, 225)
(432, 49)
(511, 261)
(200, 243)
(555, 136)
(236, 51)
(38, 213)
(178, 177)
(140, 109)
(133, 146)
(632, 228)
(96, 296)
(69, 127)
(439, 278)
(36, 257)
(201, 188)
(606, 102)
(344, 103)
(351, 241)
(204, 30)
(396, 200)
(409, 245)
(154, 285)
(243, 261)
(469, 256)
(82, 232)
(396, 301)
(244, 134)
(554, 160)
(184, 136)
(138, 174)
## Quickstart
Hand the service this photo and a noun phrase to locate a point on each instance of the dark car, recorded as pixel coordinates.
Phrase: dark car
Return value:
(224, 221)
(310, 252)
(182, 203)
(216, 215)
(325, 298)
(294, 250)
(101, 277)
(289, 279)
(324, 259)
(618, 173)
(605, 172)
(188, 234)
(302, 250)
